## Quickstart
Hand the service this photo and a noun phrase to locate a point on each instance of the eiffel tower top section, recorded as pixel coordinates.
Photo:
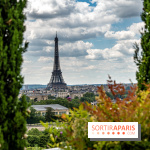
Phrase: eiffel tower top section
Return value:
(56, 81)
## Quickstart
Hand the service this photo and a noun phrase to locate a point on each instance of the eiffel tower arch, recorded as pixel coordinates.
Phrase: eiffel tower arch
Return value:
(56, 82)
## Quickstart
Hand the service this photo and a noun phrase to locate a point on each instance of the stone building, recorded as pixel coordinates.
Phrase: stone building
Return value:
(57, 109)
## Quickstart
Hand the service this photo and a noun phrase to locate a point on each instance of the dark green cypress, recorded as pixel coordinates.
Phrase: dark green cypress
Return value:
(143, 61)
(13, 112)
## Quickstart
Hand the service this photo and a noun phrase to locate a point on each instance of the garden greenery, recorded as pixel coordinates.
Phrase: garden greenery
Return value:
(134, 108)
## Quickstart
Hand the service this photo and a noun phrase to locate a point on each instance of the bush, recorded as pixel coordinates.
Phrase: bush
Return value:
(33, 140)
(44, 139)
(57, 136)
(34, 131)
(38, 138)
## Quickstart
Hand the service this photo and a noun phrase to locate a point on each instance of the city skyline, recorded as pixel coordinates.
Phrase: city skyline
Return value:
(96, 38)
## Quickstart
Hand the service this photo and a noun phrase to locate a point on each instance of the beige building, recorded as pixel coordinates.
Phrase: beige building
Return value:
(57, 109)
(73, 95)
(38, 96)
(62, 94)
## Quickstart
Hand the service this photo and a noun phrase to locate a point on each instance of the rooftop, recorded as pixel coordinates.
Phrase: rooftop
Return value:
(43, 107)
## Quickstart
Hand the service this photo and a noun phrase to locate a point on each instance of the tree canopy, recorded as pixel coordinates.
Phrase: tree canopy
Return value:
(13, 112)
(143, 60)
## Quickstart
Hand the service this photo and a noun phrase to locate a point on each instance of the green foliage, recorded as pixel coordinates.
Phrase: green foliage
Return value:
(13, 112)
(76, 97)
(27, 98)
(109, 94)
(44, 139)
(51, 97)
(34, 117)
(33, 140)
(40, 141)
(37, 138)
(34, 131)
(49, 114)
(57, 134)
(61, 101)
(77, 128)
(133, 108)
(35, 100)
(1, 138)
(143, 60)
(88, 97)
(50, 137)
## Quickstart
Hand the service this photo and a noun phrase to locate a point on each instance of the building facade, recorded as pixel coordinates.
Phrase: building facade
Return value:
(56, 109)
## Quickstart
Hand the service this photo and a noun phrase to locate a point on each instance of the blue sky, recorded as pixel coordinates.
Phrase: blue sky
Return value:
(95, 39)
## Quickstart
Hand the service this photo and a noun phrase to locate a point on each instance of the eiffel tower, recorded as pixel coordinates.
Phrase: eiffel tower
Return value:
(56, 81)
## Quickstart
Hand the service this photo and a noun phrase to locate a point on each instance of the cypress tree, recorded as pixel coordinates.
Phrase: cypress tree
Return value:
(13, 112)
(143, 61)
(49, 114)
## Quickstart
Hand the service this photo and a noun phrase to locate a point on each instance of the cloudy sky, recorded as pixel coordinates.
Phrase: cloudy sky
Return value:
(96, 38)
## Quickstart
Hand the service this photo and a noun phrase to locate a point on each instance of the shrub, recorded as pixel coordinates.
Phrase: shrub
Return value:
(41, 137)
(44, 139)
(33, 140)
(34, 131)
(57, 136)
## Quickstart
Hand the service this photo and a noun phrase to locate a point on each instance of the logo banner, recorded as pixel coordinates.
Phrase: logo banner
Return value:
(114, 131)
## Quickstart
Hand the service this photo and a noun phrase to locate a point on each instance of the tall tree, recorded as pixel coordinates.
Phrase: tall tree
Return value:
(143, 60)
(49, 114)
(13, 112)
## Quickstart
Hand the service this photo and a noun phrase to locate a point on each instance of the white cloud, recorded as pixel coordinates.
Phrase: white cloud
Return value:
(44, 59)
(120, 35)
(46, 68)
(104, 54)
(26, 61)
(131, 33)
(49, 8)
(75, 49)
(120, 8)
(24, 70)
(91, 67)
(123, 48)
(49, 49)
(72, 62)
(67, 49)
(136, 27)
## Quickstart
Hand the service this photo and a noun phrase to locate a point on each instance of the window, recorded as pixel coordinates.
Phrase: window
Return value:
(63, 112)
(43, 113)
(56, 113)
